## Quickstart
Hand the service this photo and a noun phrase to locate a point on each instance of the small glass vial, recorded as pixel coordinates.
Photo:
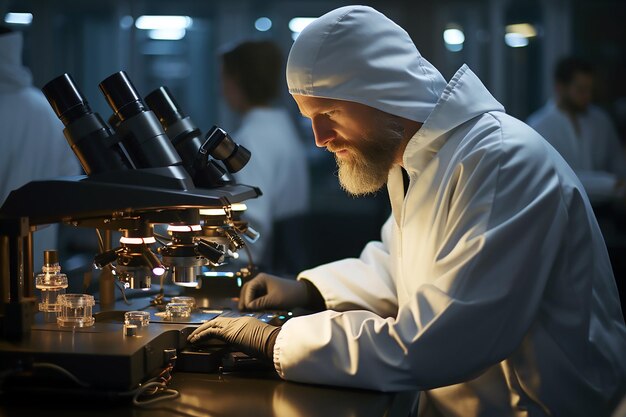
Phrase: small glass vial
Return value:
(138, 318)
(135, 322)
(177, 310)
(76, 310)
(51, 282)
(191, 301)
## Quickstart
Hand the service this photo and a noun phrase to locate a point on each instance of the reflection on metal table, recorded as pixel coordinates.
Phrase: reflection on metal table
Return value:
(235, 395)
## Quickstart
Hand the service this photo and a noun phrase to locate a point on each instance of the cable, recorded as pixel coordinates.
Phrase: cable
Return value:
(154, 386)
(47, 365)
(160, 387)
(247, 249)
(158, 300)
(100, 240)
(123, 291)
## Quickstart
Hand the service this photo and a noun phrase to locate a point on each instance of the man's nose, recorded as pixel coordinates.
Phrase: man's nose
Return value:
(322, 130)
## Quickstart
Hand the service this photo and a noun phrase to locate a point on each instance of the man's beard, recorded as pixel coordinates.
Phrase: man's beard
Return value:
(365, 169)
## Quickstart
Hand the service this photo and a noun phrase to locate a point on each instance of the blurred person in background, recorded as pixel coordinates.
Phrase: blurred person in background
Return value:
(583, 133)
(32, 142)
(252, 77)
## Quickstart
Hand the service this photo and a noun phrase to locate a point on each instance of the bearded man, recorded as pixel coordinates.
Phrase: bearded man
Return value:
(490, 290)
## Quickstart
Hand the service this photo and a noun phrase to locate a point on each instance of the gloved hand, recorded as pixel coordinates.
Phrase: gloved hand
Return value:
(270, 292)
(252, 336)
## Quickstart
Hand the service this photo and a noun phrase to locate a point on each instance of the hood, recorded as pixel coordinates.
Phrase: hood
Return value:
(464, 98)
(356, 53)
(13, 75)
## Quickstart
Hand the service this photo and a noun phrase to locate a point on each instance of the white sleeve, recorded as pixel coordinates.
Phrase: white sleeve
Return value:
(359, 283)
(505, 226)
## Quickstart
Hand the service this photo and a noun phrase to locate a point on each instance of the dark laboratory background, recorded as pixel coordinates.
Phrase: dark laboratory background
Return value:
(511, 45)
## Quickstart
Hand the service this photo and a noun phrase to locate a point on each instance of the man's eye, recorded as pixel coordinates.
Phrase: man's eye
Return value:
(329, 113)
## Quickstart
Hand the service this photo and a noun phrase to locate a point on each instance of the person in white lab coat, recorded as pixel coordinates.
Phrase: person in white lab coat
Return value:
(491, 289)
(583, 133)
(251, 81)
(32, 141)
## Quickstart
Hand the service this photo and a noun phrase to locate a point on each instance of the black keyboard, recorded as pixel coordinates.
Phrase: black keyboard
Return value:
(275, 318)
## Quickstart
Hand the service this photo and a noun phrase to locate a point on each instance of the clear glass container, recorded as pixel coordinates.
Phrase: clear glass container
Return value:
(138, 318)
(177, 310)
(51, 282)
(76, 310)
(191, 301)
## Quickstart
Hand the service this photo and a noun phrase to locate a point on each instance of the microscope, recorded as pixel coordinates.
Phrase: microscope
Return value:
(148, 166)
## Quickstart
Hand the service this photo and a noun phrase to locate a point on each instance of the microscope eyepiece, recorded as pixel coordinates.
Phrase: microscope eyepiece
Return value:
(221, 147)
(122, 96)
(164, 106)
(89, 137)
(186, 138)
(139, 129)
(66, 99)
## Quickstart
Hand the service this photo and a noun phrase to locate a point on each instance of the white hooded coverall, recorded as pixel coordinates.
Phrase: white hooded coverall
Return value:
(32, 143)
(491, 289)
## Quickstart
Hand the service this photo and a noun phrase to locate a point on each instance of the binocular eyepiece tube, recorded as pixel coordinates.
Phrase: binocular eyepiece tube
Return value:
(222, 147)
(95, 146)
(186, 137)
(153, 134)
(140, 130)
